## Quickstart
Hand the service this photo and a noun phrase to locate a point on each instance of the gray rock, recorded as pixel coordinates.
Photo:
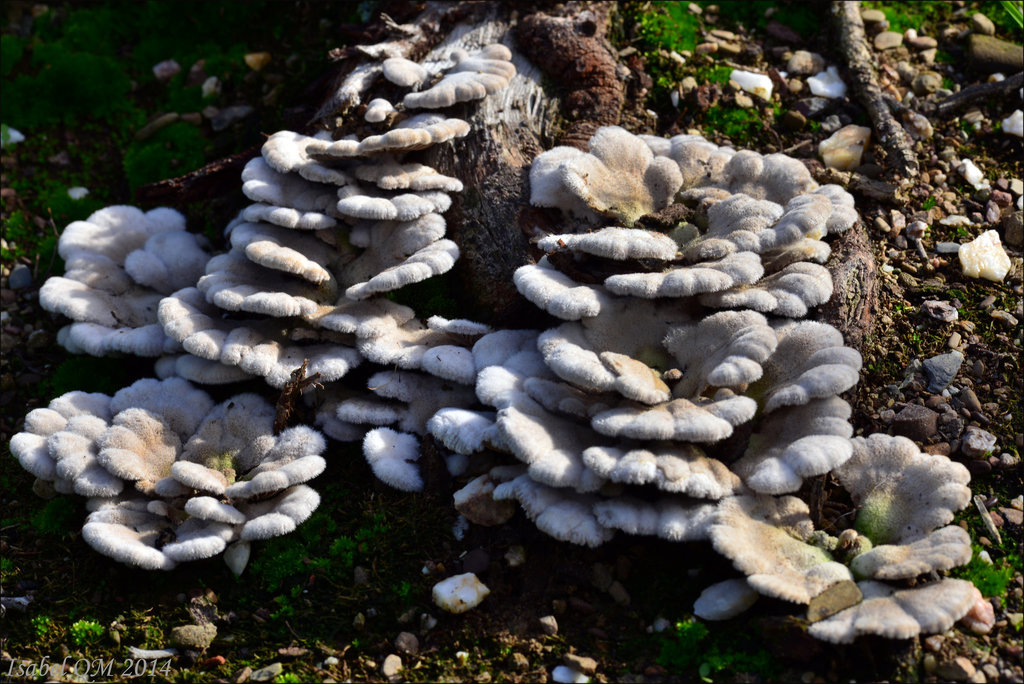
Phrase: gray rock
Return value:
(619, 593)
(406, 642)
(990, 55)
(940, 370)
(229, 115)
(814, 107)
(804, 63)
(268, 673)
(831, 124)
(917, 422)
(926, 82)
(476, 561)
(982, 24)
(21, 277)
(548, 625)
(976, 442)
(942, 311)
(907, 72)
(1013, 231)
(194, 636)
(887, 40)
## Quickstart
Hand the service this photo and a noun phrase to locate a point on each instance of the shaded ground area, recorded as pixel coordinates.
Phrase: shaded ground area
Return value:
(350, 590)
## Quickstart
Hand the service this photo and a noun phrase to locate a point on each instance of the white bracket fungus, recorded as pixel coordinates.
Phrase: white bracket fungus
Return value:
(473, 77)
(899, 613)
(766, 538)
(393, 456)
(620, 177)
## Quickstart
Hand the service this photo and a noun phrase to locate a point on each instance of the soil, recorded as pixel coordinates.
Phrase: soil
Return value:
(335, 620)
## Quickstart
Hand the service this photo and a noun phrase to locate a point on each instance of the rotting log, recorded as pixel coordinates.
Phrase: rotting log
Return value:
(860, 63)
(854, 286)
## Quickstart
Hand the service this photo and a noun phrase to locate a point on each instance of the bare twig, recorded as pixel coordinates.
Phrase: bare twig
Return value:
(982, 91)
(861, 65)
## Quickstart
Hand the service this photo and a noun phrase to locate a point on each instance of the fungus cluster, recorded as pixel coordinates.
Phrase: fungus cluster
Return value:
(686, 394)
(338, 220)
(679, 387)
(169, 475)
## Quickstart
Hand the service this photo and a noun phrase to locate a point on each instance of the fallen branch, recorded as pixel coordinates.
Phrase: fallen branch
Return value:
(861, 65)
(860, 184)
(982, 91)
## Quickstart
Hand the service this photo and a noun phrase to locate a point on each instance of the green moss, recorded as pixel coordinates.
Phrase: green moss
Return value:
(11, 50)
(738, 124)
(991, 579)
(66, 86)
(920, 16)
(174, 150)
(667, 25)
(42, 624)
(60, 516)
(85, 632)
(692, 649)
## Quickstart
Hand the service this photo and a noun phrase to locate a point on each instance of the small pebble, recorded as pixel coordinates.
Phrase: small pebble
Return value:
(887, 40)
(548, 625)
(268, 673)
(976, 442)
(941, 311)
(20, 278)
(392, 666)
(406, 642)
(982, 24)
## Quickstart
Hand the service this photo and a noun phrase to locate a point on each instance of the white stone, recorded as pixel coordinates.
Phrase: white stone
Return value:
(955, 220)
(984, 257)
(1014, 124)
(567, 675)
(827, 83)
(166, 70)
(77, 192)
(755, 84)
(972, 174)
(843, 150)
(13, 137)
(947, 247)
(460, 593)
(210, 87)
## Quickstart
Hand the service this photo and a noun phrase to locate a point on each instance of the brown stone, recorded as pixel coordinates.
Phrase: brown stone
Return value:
(990, 55)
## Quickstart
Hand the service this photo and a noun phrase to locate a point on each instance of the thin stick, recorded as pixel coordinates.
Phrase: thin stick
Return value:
(861, 65)
(982, 91)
